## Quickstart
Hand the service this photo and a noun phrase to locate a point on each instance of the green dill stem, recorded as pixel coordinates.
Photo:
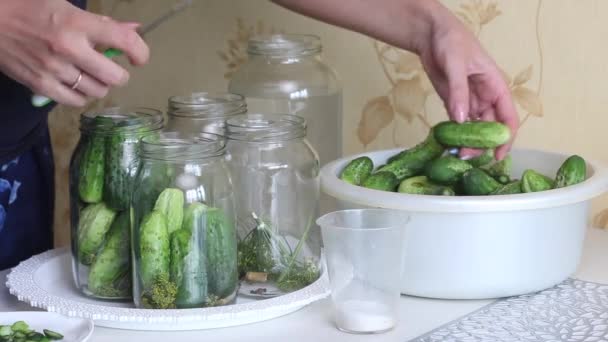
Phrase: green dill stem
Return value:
(296, 252)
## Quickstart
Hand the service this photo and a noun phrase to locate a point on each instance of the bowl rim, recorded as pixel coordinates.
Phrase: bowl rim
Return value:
(592, 187)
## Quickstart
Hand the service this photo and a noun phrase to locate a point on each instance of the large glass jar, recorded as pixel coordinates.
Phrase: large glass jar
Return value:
(101, 173)
(276, 180)
(183, 224)
(284, 73)
(203, 112)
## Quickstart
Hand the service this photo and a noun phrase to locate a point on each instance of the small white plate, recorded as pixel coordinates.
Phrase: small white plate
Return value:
(72, 329)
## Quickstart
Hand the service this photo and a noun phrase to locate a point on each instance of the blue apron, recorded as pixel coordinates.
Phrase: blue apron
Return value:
(26, 174)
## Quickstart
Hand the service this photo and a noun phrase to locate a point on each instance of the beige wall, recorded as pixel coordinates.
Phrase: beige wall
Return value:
(552, 53)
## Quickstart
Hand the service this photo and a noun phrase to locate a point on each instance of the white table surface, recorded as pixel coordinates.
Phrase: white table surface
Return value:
(314, 323)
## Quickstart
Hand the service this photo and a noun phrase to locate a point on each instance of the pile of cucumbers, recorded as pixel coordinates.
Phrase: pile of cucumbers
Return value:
(101, 191)
(429, 169)
(186, 256)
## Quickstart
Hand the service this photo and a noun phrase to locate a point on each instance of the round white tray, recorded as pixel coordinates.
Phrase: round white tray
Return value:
(45, 281)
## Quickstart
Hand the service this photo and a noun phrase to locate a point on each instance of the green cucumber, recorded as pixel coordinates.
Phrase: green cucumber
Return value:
(412, 162)
(170, 203)
(421, 185)
(357, 170)
(382, 180)
(511, 188)
(572, 171)
(533, 181)
(110, 273)
(476, 182)
(221, 250)
(472, 134)
(188, 264)
(447, 170)
(501, 170)
(120, 168)
(91, 170)
(94, 222)
(154, 249)
(487, 157)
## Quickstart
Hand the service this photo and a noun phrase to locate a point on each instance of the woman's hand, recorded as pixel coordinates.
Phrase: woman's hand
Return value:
(46, 44)
(466, 78)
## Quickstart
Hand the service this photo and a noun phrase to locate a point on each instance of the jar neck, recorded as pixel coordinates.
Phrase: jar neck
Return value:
(180, 148)
(288, 47)
(266, 128)
(121, 119)
(206, 105)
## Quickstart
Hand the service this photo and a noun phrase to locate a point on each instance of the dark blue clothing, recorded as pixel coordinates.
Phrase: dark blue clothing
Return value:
(26, 174)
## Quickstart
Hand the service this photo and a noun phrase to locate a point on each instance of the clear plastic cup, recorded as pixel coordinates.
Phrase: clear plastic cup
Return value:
(364, 249)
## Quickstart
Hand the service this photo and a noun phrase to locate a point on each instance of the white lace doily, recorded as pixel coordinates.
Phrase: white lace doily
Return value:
(45, 281)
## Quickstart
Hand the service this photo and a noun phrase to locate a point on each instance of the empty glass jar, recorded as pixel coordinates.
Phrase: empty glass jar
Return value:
(183, 224)
(276, 179)
(286, 74)
(203, 112)
(102, 169)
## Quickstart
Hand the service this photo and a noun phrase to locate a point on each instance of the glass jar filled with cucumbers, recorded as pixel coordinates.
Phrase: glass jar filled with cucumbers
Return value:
(276, 178)
(102, 170)
(183, 223)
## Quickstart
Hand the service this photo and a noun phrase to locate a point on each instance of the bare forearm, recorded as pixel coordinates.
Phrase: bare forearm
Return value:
(404, 23)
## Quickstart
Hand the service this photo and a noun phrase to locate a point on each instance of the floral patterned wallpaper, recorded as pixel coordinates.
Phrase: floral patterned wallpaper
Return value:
(551, 53)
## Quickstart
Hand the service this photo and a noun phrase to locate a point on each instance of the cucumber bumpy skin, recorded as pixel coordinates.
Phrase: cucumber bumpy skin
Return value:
(94, 222)
(188, 263)
(511, 188)
(476, 182)
(572, 171)
(110, 274)
(472, 134)
(357, 171)
(154, 248)
(222, 264)
(170, 203)
(533, 181)
(413, 161)
(447, 170)
(382, 180)
(420, 185)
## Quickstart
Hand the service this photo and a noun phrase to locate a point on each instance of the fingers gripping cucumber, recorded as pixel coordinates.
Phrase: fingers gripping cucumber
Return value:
(94, 222)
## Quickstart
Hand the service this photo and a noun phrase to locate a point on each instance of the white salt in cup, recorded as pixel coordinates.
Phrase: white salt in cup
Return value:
(364, 251)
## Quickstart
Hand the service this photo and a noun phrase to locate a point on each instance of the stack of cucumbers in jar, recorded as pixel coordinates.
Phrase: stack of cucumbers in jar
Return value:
(186, 255)
(430, 169)
(102, 241)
